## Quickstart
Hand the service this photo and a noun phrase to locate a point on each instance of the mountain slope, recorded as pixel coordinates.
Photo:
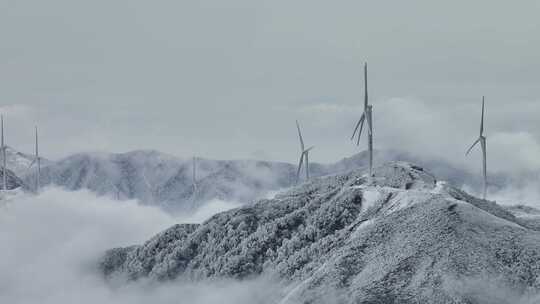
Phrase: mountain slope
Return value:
(123, 176)
(19, 162)
(159, 179)
(402, 238)
(12, 180)
(156, 178)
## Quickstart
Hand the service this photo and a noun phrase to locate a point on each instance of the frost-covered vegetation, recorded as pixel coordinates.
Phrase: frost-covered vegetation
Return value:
(402, 237)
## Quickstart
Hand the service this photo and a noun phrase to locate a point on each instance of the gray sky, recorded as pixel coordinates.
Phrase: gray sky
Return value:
(227, 79)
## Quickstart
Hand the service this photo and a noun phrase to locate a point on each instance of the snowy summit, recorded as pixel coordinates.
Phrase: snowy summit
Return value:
(404, 237)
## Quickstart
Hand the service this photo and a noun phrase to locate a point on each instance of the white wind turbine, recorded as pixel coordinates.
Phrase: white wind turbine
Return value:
(37, 161)
(304, 155)
(3, 148)
(367, 116)
(194, 166)
(482, 140)
(194, 178)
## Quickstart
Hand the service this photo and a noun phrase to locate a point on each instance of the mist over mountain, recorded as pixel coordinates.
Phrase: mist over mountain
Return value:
(155, 178)
(51, 243)
(403, 237)
(170, 137)
(20, 163)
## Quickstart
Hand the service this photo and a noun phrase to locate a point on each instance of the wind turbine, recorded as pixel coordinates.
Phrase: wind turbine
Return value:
(3, 147)
(367, 116)
(194, 179)
(37, 161)
(304, 155)
(194, 174)
(482, 140)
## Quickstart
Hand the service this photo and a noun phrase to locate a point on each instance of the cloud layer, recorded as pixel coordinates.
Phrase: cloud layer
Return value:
(51, 242)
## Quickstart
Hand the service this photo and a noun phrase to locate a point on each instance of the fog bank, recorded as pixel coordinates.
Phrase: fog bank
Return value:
(51, 243)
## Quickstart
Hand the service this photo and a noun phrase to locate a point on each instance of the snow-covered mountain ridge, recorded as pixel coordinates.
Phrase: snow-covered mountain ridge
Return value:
(20, 162)
(160, 179)
(402, 237)
(156, 178)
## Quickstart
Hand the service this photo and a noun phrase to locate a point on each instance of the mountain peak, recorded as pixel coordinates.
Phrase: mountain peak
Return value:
(398, 237)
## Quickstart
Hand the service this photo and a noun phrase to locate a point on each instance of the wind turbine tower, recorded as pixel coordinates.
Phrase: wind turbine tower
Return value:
(4, 179)
(194, 179)
(304, 155)
(482, 140)
(38, 163)
(367, 116)
(194, 174)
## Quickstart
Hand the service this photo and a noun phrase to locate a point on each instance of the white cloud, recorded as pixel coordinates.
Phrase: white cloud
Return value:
(208, 209)
(432, 130)
(17, 111)
(182, 68)
(515, 151)
(51, 243)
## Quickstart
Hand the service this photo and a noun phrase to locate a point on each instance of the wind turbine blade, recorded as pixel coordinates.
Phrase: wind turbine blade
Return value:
(309, 149)
(32, 163)
(365, 88)
(299, 167)
(361, 128)
(369, 120)
(472, 146)
(358, 125)
(300, 136)
(355, 128)
(482, 120)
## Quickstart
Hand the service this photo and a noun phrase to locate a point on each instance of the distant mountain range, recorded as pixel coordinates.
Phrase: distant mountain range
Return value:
(402, 237)
(19, 162)
(156, 178)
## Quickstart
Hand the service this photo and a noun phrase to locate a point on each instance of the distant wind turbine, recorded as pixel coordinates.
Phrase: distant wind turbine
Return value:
(3, 147)
(482, 140)
(368, 117)
(37, 161)
(304, 155)
(194, 174)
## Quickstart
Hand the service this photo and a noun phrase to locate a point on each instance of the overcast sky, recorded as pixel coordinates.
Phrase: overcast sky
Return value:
(227, 79)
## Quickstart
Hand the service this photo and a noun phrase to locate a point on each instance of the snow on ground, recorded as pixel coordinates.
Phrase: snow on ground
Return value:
(370, 196)
(392, 240)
